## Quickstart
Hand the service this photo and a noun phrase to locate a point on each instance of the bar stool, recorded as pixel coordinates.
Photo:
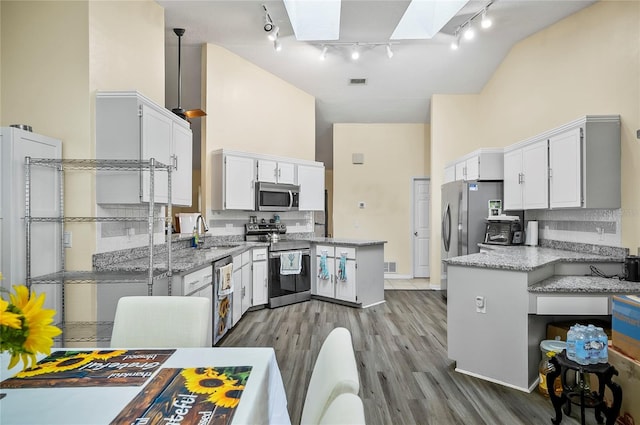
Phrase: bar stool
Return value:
(580, 396)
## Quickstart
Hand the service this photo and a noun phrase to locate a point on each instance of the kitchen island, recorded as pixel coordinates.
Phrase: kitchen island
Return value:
(500, 301)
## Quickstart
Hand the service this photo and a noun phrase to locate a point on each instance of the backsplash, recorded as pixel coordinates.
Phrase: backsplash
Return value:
(118, 235)
(224, 223)
(589, 226)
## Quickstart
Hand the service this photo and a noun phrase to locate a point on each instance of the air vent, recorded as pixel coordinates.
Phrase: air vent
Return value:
(390, 267)
(357, 81)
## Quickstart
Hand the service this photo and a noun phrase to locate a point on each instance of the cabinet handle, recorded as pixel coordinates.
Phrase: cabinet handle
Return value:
(193, 282)
(550, 172)
(174, 159)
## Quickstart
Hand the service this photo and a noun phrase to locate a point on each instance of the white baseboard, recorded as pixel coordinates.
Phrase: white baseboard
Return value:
(496, 381)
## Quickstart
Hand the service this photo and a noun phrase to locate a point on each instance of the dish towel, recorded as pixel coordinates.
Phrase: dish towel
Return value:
(291, 262)
(323, 273)
(225, 275)
(342, 267)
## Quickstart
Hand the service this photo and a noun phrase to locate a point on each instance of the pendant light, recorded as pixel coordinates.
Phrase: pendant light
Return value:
(192, 113)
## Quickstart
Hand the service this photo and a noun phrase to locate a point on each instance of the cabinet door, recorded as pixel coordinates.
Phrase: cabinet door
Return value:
(325, 287)
(311, 181)
(260, 283)
(535, 168)
(237, 295)
(460, 171)
(267, 171)
(472, 168)
(449, 174)
(247, 287)
(565, 170)
(346, 289)
(239, 183)
(286, 173)
(512, 180)
(207, 292)
(157, 132)
(181, 176)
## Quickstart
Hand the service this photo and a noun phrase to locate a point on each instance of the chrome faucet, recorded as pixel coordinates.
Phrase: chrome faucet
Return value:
(205, 229)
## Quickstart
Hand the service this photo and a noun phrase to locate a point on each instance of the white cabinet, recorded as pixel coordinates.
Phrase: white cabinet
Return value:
(339, 280)
(276, 171)
(449, 173)
(242, 285)
(233, 185)
(132, 127)
(260, 277)
(198, 283)
(15, 145)
(311, 181)
(525, 177)
(482, 164)
(574, 166)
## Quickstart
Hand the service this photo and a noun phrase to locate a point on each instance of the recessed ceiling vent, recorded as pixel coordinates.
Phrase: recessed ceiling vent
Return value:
(357, 81)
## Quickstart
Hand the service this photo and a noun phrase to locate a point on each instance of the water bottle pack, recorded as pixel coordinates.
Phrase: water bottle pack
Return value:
(587, 344)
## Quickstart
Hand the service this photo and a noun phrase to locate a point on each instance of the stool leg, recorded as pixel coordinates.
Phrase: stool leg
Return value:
(555, 400)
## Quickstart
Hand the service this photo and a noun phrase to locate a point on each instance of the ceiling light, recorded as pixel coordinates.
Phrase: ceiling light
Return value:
(456, 41)
(469, 33)
(355, 54)
(486, 20)
(273, 34)
(389, 51)
(277, 45)
(323, 55)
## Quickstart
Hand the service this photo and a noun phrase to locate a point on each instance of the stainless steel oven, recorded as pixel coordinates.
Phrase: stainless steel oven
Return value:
(289, 272)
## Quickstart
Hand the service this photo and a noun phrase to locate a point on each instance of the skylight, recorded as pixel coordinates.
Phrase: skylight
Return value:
(314, 19)
(424, 18)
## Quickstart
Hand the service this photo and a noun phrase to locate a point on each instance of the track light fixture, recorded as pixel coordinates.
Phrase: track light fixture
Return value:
(355, 49)
(389, 51)
(466, 28)
(323, 55)
(269, 27)
(277, 45)
(355, 53)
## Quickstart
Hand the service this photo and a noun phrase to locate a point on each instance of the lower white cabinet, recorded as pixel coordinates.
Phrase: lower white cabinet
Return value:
(198, 283)
(338, 279)
(242, 285)
(260, 277)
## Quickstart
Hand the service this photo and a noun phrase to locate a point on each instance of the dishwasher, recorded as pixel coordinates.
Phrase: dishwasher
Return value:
(222, 297)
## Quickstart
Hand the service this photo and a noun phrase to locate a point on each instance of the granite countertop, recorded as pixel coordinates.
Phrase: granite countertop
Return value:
(352, 242)
(527, 258)
(585, 284)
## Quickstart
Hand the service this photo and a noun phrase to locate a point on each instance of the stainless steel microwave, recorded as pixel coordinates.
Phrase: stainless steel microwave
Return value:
(277, 197)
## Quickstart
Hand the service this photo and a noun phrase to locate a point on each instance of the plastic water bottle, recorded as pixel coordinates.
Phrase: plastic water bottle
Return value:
(582, 356)
(571, 343)
(604, 344)
(593, 345)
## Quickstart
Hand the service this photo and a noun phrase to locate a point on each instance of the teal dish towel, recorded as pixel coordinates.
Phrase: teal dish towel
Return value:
(323, 273)
(342, 267)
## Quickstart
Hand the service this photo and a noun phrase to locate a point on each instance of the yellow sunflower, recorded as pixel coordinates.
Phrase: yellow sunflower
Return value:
(205, 380)
(7, 318)
(38, 332)
(227, 396)
(60, 364)
(39, 369)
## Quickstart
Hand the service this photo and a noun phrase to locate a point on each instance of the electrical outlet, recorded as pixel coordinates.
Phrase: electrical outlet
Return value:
(67, 240)
(481, 305)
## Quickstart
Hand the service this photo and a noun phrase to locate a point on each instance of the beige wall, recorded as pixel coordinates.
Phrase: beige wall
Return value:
(588, 63)
(55, 54)
(252, 110)
(393, 155)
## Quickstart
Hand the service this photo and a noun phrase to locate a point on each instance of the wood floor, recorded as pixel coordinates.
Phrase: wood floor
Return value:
(406, 377)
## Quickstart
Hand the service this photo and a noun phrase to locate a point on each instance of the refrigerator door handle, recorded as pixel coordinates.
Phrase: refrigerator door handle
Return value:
(446, 228)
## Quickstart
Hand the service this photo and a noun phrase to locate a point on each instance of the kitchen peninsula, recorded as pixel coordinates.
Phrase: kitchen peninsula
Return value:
(499, 302)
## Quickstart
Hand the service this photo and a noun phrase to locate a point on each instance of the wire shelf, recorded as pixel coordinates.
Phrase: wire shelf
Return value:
(73, 332)
(98, 164)
(98, 277)
(96, 219)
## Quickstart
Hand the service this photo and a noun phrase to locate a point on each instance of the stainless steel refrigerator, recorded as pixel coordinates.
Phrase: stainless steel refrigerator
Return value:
(465, 207)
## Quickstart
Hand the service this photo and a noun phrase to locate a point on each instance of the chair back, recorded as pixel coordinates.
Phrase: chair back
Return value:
(161, 322)
(335, 372)
(345, 409)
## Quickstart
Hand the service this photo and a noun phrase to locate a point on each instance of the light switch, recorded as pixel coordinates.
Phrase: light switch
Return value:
(481, 305)
(67, 240)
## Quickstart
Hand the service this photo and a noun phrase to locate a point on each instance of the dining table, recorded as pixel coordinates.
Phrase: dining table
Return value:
(262, 401)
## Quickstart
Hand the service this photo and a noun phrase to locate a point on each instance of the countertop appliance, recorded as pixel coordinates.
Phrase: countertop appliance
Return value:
(222, 297)
(277, 197)
(503, 230)
(465, 206)
(632, 268)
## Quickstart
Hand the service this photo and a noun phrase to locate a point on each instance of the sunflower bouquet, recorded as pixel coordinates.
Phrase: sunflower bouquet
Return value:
(25, 327)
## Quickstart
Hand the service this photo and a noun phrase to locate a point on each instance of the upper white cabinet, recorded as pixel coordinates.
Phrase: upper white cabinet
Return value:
(573, 166)
(311, 181)
(482, 164)
(276, 171)
(525, 177)
(234, 177)
(233, 185)
(131, 126)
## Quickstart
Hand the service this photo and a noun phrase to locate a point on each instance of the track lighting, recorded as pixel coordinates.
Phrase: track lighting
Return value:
(486, 20)
(389, 51)
(277, 45)
(355, 54)
(323, 55)
(466, 28)
(269, 27)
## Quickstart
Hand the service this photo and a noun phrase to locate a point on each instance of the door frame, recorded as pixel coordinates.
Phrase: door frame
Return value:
(413, 222)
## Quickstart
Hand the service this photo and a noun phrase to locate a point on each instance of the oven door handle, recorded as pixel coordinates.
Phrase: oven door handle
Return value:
(276, 254)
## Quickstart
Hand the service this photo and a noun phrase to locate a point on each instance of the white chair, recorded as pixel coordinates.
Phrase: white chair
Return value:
(161, 322)
(335, 372)
(346, 409)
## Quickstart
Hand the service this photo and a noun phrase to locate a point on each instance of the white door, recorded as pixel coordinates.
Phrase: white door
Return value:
(237, 295)
(182, 176)
(346, 289)
(311, 180)
(239, 183)
(286, 173)
(513, 180)
(535, 169)
(421, 201)
(565, 170)
(247, 287)
(324, 287)
(267, 171)
(260, 283)
(156, 143)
